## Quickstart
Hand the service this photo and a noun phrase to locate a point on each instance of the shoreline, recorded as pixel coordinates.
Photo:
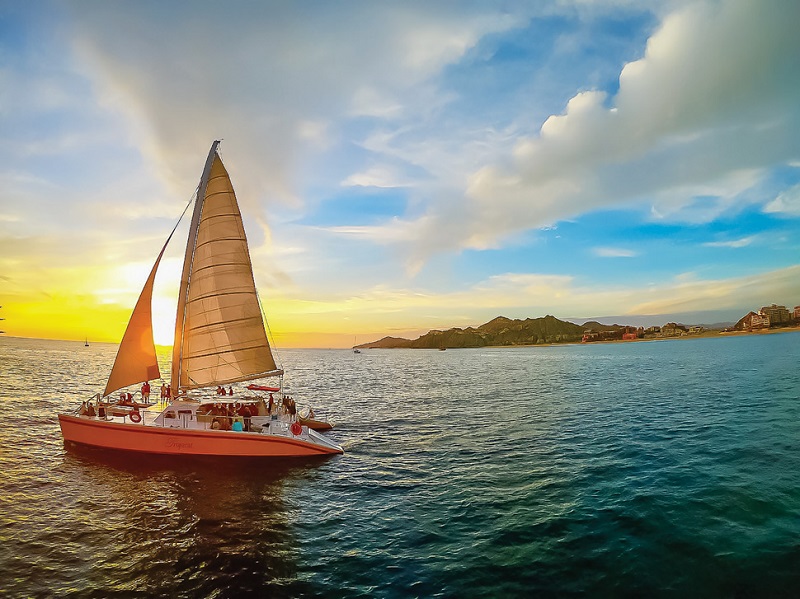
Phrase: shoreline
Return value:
(704, 335)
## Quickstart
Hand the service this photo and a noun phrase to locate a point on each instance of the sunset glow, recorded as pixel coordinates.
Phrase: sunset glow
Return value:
(404, 167)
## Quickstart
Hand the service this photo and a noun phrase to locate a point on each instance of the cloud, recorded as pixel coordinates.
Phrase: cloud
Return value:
(609, 252)
(523, 295)
(378, 176)
(260, 74)
(697, 120)
(781, 285)
(786, 203)
(733, 243)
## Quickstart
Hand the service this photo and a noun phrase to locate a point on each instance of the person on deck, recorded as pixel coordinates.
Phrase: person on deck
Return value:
(168, 394)
(245, 413)
(163, 391)
(230, 391)
(271, 404)
(146, 391)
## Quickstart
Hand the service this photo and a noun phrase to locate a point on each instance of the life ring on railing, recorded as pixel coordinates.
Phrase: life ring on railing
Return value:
(296, 429)
(135, 416)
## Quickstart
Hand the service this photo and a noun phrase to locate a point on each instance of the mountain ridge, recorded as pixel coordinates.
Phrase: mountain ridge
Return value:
(499, 331)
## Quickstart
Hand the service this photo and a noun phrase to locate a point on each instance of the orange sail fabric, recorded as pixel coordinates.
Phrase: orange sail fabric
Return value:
(136, 360)
(222, 339)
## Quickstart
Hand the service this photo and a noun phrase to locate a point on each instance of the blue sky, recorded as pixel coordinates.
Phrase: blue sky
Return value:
(404, 166)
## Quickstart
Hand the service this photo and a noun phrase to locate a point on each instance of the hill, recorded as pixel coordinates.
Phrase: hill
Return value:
(497, 332)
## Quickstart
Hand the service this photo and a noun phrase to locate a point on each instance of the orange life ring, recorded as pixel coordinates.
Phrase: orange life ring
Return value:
(135, 416)
(296, 429)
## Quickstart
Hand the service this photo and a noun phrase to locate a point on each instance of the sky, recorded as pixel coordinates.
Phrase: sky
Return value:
(404, 166)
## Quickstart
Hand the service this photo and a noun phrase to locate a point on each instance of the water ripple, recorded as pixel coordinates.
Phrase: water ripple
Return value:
(640, 469)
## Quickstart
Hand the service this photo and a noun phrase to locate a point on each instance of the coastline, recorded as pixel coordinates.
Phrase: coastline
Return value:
(703, 335)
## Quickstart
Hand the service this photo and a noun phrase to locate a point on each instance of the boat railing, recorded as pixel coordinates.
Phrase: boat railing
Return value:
(174, 416)
(86, 403)
(223, 422)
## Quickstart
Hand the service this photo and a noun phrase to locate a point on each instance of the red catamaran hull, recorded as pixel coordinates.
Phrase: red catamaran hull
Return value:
(174, 441)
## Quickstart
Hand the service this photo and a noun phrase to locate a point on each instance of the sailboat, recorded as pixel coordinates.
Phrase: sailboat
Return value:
(220, 339)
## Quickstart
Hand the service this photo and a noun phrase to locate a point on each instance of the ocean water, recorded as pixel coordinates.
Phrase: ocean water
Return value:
(656, 469)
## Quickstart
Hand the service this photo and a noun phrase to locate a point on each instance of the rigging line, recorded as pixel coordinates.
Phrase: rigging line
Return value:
(273, 346)
(189, 203)
(180, 218)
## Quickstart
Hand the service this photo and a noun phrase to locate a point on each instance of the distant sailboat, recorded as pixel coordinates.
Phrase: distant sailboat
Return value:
(86, 344)
(220, 338)
(355, 349)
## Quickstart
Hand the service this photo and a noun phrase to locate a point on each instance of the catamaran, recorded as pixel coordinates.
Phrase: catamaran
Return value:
(220, 339)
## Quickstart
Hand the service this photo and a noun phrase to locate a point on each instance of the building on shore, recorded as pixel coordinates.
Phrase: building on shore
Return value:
(776, 314)
(753, 321)
(672, 329)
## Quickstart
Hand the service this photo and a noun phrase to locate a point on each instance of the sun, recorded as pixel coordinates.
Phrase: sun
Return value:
(163, 314)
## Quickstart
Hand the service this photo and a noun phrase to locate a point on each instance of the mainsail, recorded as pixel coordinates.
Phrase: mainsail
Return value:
(219, 332)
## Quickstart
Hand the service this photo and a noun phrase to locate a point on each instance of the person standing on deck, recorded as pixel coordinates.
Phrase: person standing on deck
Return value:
(146, 391)
(246, 414)
(291, 408)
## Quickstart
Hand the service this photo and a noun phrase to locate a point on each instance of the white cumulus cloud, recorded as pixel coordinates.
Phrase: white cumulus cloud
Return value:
(698, 119)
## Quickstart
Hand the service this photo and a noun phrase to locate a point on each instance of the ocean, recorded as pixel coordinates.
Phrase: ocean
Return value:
(646, 469)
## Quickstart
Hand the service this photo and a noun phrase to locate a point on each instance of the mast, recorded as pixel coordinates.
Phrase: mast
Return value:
(220, 337)
(180, 318)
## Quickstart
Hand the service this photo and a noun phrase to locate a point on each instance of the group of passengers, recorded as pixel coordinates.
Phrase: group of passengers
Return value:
(287, 406)
(166, 392)
(237, 416)
(231, 416)
(126, 398)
